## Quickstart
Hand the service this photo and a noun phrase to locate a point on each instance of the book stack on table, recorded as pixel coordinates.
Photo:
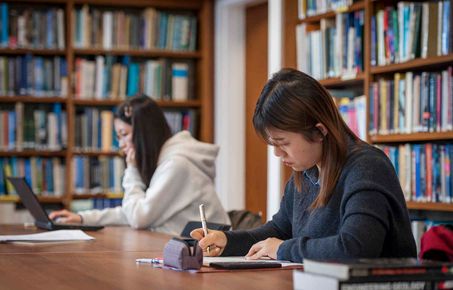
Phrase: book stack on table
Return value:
(373, 274)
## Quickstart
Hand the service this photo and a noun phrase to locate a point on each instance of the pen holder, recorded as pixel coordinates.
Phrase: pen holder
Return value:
(183, 254)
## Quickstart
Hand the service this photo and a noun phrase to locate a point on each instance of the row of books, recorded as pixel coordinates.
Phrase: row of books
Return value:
(94, 127)
(93, 175)
(183, 120)
(314, 7)
(412, 102)
(332, 49)
(113, 77)
(33, 75)
(373, 274)
(353, 111)
(26, 27)
(94, 130)
(45, 175)
(424, 170)
(38, 127)
(410, 30)
(133, 29)
(94, 203)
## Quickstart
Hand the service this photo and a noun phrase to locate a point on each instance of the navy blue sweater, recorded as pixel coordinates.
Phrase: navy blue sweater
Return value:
(366, 217)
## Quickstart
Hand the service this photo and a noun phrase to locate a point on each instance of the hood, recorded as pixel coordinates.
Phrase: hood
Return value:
(202, 155)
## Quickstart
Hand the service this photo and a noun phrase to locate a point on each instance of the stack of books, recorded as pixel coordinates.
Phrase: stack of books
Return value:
(373, 274)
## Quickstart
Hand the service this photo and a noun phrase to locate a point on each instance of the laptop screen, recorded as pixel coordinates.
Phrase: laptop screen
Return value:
(29, 199)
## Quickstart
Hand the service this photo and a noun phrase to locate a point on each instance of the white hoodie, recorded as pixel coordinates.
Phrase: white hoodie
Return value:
(184, 179)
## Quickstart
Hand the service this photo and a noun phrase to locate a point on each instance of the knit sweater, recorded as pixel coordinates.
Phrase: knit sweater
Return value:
(366, 217)
(184, 179)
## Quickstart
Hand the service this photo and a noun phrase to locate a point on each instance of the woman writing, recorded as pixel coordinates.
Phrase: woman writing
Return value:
(343, 199)
(166, 178)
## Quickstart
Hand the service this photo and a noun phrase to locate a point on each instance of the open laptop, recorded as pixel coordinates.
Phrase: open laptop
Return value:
(42, 220)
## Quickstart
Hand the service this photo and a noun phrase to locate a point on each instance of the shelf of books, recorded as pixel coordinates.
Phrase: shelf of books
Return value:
(389, 67)
(66, 65)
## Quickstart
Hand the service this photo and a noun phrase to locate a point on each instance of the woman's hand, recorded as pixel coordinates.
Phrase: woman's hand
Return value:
(130, 157)
(66, 217)
(216, 240)
(264, 248)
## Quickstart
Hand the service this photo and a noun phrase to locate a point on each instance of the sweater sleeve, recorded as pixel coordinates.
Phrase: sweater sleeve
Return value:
(239, 242)
(147, 207)
(105, 217)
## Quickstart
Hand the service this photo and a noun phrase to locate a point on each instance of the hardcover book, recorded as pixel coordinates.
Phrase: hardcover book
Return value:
(381, 267)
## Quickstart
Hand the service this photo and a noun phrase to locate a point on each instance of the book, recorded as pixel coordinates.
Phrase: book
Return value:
(308, 281)
(381, 267)
(180, 81)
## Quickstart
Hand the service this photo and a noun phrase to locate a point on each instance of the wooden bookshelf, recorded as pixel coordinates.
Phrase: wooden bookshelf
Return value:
(31, 99)
(316, 18)
(340, 82)
(42, 199)
(433, 206)
(415, 137)
(32, 153)
(181, 104)
(202, 57)
(44, 52)
(419, 63)
(42, 2)
(139, 53)
(370, 74)
(95, 153)
(97, 195)
(177, 104)
(162, 4)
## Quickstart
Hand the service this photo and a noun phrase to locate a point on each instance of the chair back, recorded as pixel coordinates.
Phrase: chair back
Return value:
(244, 219)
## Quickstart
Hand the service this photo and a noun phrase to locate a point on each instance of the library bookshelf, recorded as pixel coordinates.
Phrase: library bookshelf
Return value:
(372, 70)
(196, 14)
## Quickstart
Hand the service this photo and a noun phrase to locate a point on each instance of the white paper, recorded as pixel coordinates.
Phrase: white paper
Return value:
(51, 236)
(208, 260)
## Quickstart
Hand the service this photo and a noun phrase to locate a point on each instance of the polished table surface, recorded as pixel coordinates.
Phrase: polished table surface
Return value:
(108, 262)
(108, 239)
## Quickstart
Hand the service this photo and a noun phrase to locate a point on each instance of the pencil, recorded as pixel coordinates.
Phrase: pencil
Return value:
(203, 223)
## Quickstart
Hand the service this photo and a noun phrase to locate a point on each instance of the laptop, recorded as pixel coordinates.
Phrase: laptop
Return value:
(42, 220)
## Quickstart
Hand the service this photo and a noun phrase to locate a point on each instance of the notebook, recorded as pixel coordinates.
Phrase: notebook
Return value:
(42, 220)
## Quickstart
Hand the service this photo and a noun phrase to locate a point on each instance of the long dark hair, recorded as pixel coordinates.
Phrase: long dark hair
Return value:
(150, 131)
(293, 101)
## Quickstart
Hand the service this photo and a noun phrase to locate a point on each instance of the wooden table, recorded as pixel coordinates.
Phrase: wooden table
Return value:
(109, 263)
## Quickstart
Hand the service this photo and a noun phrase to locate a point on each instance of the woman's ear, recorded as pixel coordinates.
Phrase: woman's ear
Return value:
(322, 129)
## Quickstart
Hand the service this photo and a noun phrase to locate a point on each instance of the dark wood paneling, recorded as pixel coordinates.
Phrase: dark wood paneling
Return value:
(255, 78)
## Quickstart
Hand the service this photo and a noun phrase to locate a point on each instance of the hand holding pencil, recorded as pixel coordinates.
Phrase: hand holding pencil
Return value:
(203, 223)
(212, 242)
